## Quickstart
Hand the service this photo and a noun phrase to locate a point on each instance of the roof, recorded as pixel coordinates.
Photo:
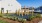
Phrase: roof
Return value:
(27, 8)
(24, 8)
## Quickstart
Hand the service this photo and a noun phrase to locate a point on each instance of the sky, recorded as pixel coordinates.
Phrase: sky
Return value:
(30, 3)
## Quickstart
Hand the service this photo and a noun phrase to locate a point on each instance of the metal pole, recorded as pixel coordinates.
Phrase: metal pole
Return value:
(28, 10)
(32, 11)
(19, 12)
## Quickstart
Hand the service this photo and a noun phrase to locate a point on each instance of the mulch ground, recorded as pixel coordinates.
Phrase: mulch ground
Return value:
(8, 20)
(35, 20)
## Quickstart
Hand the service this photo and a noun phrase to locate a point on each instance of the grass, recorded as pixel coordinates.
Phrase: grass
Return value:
(2, 21)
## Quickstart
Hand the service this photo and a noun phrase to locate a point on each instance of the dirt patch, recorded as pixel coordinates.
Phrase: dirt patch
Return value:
(8, 20)
(35, 20)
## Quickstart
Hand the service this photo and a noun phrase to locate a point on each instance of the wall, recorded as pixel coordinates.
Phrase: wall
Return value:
(10, 5)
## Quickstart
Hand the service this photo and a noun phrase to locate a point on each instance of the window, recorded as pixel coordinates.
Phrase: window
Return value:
(2, 8)
(10, 5)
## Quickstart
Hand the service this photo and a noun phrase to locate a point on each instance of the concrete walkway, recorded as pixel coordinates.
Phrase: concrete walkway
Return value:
(41, 15)
(40, 21)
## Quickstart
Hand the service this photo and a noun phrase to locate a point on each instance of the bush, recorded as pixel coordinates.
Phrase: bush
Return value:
(31, 17)
(38, 16)
(1, 15)
(4, 16)
(9, 17)
(8, 14)
(20, 19)
(23, 20)
(15, 18)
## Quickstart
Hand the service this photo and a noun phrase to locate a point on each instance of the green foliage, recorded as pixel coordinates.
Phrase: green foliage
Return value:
(31, 17)
(1, 15)
(20, 19)
(4, 16)
(34, 16)
(15, 18)
(23, 20)
(8, 14)
(38, 16)
(9, 17)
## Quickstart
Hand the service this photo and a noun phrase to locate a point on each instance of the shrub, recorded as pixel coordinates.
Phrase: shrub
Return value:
(4, 16)
(15, 18)
(8, 14)
(23, 20)
(38, 16)
(31, 17)
(20, 19)
(1, 15)
(8, 17)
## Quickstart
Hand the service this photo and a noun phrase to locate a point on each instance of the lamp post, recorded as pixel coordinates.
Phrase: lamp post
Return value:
(25, 10)
(19, 12)
(32, 10)
(28, 10)
(22, 13)
(16, 12)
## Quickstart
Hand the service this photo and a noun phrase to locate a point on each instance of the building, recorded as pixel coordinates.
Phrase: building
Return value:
(10, 5)
(25, 10)
(38, 10)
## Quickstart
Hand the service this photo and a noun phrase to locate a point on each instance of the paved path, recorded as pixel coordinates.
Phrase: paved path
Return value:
(40, 21)
(41, 15)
